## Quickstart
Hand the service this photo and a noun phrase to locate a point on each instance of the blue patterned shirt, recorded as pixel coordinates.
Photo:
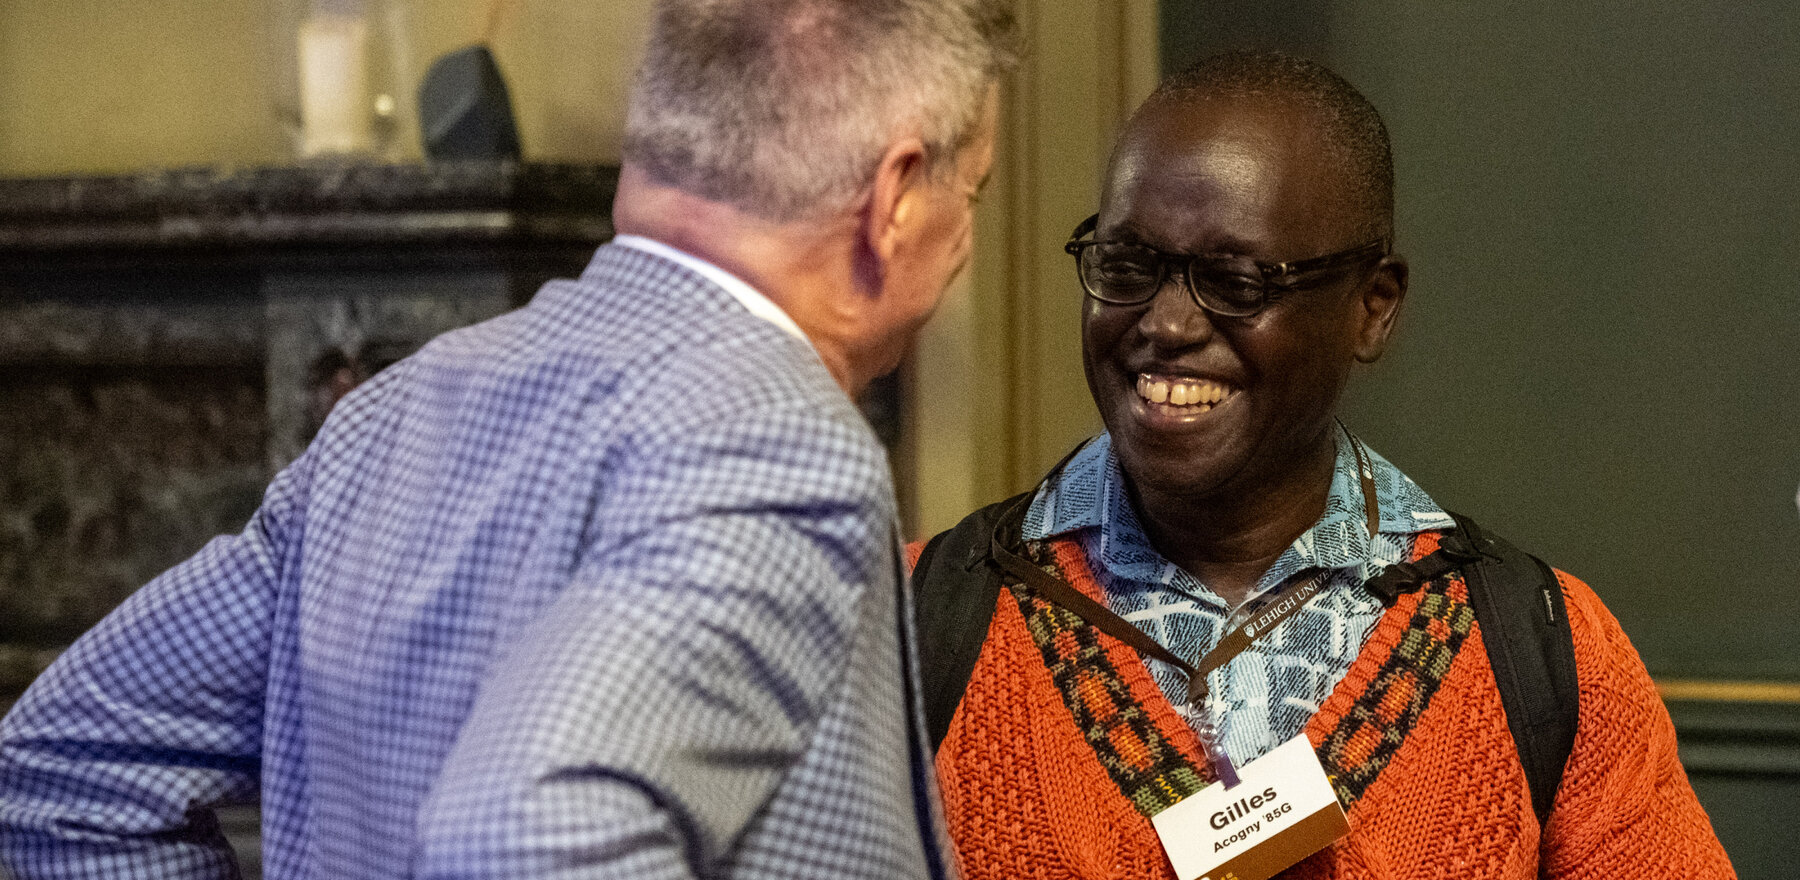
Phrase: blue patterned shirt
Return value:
(1267, 694)
(604, 587)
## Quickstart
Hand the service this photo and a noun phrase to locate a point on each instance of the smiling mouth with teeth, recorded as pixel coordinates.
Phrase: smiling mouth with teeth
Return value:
(1200, 394)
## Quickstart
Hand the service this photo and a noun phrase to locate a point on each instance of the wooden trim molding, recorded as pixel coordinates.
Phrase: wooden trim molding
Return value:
(995, 392)
(1735, 728)
(1716, 690)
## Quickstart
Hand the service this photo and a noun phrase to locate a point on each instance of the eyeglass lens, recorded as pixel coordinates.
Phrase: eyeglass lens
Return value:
(1126, 274)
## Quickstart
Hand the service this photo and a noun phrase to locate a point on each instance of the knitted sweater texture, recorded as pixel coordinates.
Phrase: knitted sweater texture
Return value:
(1063, 746)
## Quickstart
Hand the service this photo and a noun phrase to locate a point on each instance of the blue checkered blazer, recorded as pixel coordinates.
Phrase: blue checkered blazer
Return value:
(604, 587)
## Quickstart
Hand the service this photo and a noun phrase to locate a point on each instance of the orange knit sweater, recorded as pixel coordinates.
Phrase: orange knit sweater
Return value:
(1063, 745)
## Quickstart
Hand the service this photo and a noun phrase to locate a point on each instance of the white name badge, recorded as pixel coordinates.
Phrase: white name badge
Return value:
(1282, 810)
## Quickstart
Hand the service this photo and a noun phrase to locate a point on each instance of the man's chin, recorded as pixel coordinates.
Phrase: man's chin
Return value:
(1184, 463)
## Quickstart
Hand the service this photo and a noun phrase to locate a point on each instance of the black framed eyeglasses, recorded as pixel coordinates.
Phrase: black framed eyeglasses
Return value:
(1128, 274)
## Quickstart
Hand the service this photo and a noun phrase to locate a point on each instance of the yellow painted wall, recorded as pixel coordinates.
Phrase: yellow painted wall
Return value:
(100, 87)
(87, 85)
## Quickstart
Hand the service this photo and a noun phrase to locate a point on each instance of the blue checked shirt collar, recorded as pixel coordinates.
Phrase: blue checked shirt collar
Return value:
(1339, 540)
(740, 290)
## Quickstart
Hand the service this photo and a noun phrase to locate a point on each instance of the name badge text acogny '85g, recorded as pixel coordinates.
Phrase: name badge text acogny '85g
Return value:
(1282, 810)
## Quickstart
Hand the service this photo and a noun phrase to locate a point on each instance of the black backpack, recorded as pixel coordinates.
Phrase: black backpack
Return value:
(1524, 625)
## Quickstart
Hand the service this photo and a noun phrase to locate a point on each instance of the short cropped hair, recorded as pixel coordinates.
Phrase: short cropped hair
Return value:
(783, 108)
(1353, 131)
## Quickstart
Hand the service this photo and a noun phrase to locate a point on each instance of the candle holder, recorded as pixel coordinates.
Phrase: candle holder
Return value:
(341, 78)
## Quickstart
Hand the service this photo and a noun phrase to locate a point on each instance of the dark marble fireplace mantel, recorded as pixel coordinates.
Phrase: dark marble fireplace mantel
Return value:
(272, 211)
(170, 339)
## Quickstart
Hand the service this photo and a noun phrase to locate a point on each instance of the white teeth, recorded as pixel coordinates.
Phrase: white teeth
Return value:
(1155, 392)
(1193, 392)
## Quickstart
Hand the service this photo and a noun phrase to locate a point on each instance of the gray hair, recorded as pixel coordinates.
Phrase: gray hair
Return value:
(783, 108)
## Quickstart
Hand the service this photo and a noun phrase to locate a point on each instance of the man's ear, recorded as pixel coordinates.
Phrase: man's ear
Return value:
(894, 196)
(1381, 301)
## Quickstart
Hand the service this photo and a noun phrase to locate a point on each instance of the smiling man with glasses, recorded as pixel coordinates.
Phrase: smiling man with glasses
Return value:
(1229, 575)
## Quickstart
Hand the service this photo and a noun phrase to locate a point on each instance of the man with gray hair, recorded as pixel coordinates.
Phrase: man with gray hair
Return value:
(605, 587)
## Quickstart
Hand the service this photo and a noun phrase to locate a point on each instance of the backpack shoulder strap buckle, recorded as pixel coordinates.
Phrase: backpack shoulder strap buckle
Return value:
(1454, 551)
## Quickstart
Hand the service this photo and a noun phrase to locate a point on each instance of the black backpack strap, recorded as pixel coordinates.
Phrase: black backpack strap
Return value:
(1525, 628)
(955, 587)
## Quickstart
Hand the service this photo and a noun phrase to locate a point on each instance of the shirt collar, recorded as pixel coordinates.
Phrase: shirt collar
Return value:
(1089, 492)
(759, 305)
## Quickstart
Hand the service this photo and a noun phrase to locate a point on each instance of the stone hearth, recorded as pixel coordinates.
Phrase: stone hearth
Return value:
(169, 340)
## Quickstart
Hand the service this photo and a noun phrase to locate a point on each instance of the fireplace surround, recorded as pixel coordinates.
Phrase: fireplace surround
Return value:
(171, 339)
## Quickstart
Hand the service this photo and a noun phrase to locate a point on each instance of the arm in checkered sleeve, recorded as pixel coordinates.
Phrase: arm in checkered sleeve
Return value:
(109, 762)
(642, 723)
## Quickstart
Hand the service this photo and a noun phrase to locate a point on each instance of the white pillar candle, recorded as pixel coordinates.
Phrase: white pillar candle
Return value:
(335, 112)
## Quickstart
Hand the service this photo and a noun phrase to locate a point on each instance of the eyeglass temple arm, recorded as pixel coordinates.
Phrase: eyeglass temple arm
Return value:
(1342, 258)
(1084, 228)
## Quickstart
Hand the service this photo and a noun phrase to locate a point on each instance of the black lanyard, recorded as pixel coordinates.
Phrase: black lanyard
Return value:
(1281, 604)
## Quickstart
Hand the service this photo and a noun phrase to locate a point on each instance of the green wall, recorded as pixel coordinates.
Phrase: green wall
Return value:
(1598, 358)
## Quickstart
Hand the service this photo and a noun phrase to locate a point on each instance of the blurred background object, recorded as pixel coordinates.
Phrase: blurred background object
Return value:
(341, 78)
(86, 89)
(465, 110)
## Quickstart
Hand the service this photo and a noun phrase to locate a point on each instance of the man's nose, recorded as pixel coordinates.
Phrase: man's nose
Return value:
(1175, 319)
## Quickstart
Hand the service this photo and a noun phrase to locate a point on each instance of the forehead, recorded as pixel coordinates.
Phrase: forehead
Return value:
(1249, 175)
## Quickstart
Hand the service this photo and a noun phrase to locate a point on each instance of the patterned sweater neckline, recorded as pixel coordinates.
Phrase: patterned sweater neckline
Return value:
(1155, 760)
